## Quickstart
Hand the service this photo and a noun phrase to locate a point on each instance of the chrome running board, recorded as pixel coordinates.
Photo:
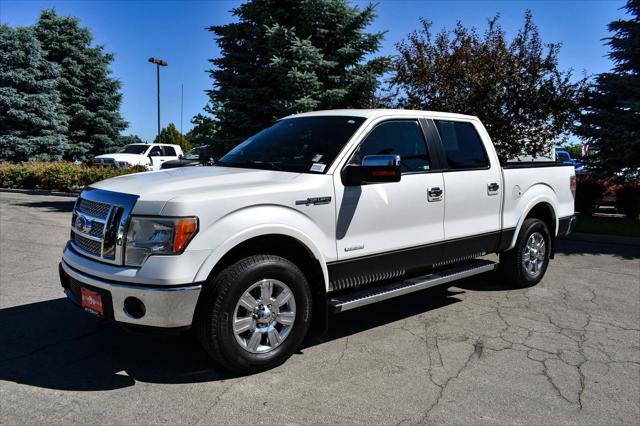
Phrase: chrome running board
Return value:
(359, 298)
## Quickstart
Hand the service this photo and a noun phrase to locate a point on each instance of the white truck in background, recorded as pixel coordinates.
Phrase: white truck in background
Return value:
(151, 156)
(320, 213)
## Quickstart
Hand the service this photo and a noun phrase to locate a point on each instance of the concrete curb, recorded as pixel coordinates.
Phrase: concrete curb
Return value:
(41, 192)
(604, 239)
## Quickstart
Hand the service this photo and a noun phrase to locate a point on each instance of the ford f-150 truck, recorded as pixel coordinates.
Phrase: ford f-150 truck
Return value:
(320, 213)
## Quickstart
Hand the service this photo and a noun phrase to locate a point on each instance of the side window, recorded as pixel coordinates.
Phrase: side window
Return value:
(169, 151)
(155, 152)
(462, 145)
(401, 137)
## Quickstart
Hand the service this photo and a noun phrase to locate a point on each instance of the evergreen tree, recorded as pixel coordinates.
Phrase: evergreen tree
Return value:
(31, 119)
(611, 118)
(171, 135)
(289, 56)
(516, 88)
(204, 133)
(90, 96)
(127, 140)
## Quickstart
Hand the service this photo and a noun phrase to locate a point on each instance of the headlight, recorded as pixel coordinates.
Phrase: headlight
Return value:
(157, 235)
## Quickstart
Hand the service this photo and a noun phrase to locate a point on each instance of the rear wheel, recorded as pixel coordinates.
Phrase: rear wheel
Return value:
(255, 314)
(526, 263)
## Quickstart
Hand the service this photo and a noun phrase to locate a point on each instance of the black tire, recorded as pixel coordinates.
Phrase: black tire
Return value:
(217, 310)
(512, 265)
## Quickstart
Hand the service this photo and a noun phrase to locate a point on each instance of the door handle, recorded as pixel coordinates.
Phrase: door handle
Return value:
(434, 194)
(492, 188)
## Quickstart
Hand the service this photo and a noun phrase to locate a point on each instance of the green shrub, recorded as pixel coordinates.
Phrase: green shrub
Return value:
(628, 200)
(589, 192)
(59, 176)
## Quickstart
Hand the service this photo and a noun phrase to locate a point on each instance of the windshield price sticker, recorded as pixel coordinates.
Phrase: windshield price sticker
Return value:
(318, 167)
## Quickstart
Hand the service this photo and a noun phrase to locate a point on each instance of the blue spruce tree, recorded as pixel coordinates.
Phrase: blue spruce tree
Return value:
(90, 97)
(32, 122)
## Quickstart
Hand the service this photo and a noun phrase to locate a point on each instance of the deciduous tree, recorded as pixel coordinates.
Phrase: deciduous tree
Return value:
(515, 87)
(171, 135)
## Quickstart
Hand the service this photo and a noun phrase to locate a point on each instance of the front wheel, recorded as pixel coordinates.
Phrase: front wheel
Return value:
(526, 263)
(255, 313)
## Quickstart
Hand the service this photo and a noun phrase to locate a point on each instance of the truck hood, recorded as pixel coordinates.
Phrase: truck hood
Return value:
(154, 189)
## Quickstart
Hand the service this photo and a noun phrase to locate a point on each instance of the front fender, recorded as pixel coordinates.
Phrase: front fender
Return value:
(244, 224)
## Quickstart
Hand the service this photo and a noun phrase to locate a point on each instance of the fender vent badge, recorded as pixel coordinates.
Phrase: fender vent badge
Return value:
(314, 200)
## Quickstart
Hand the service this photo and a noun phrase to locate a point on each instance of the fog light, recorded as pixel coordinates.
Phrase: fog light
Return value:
(134, 307)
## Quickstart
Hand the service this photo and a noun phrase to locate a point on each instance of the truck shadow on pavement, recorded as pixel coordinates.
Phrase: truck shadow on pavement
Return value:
(54, 345)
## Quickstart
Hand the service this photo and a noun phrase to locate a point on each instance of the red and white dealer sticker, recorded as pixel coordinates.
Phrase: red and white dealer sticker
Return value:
(92, 302)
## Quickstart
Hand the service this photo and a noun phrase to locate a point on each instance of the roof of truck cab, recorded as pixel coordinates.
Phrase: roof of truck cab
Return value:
(373, 113)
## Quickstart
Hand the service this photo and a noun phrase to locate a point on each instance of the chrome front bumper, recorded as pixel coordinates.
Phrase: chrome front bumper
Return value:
(170, 306)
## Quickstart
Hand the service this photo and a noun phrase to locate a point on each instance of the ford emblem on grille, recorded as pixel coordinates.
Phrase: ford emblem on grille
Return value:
(83, 224)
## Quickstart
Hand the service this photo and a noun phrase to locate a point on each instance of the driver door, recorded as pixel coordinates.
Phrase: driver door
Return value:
(155, 155)
(385, 230)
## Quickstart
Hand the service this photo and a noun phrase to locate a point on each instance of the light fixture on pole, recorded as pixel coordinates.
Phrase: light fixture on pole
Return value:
(159, 63)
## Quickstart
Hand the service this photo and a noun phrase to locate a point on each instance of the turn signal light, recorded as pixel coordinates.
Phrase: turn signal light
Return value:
(185, 229)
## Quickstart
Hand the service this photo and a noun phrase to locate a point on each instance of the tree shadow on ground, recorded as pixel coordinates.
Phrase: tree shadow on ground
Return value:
(54, 345)
(56, 206)
(574, 247)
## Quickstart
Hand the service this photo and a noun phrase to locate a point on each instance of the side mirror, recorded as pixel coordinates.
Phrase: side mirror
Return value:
(374, 169)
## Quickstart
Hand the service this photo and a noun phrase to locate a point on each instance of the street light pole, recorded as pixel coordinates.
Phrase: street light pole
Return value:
(159, 63)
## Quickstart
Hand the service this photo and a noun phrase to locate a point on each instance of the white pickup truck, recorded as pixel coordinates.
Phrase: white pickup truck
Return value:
(322, 212)
(151, 156)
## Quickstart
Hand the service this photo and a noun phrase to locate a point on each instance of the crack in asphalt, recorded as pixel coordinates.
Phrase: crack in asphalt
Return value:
(573, 321)
(344, 350)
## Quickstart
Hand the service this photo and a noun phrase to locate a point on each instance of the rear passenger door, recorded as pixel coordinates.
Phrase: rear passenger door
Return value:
(472, 192)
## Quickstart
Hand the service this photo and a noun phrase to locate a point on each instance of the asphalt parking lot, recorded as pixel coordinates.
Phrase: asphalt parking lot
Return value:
(564, 352)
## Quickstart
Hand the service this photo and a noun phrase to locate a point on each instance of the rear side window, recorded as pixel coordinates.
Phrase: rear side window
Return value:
(401, 137)
(169, 151)
(462, 145)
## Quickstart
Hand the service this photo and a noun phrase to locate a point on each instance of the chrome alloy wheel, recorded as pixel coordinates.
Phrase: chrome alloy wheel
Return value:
(533, 254)
(264, 316)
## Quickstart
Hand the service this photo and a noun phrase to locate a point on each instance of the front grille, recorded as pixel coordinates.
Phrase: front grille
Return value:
(93, 208)
(104, 162)
(90, 246)
(98, 224)
(97, 229)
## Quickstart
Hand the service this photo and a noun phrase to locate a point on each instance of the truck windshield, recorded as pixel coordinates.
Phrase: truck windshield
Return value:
(134, 149)
(299, 144)
(193, 154)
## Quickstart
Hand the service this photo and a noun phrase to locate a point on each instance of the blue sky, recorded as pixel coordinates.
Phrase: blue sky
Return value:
(175, 31)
